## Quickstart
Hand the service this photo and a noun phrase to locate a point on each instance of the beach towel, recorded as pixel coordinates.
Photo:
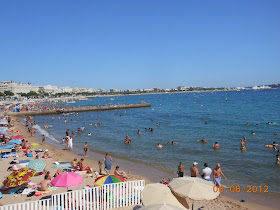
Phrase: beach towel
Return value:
(61, 166)
(24, 161)
(39, 193)
(23, 164)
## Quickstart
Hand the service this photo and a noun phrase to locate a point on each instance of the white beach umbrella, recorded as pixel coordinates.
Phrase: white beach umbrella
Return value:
(194, 188)
(161, 207)
(159, 194)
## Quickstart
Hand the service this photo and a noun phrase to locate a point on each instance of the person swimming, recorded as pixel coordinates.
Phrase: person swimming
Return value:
(159, 146)
(216, 145)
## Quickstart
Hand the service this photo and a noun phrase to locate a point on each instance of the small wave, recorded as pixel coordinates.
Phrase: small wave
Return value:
(42, 131)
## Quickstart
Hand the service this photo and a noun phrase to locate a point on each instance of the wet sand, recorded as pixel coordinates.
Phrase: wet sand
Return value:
(64, 155)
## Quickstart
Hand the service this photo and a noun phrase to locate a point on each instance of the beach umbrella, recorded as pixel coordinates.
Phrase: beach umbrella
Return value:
(161, 207)
(108, 179)
(67, 180)
(194, 188)
(159, 194)
(37, 164)
(18, 137)
(19, 177)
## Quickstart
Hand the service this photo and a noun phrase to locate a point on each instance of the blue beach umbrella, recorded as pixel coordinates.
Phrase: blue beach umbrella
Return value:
(37, 165)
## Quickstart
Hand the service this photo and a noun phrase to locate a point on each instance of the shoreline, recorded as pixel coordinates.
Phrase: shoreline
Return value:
(92, 160)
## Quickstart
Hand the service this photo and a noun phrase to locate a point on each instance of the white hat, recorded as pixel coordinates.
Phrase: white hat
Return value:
(46, 150)
(195, 163)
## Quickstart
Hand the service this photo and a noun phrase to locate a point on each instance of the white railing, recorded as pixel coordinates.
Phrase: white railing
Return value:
(121, 194)
(97, 198)
(32, 205)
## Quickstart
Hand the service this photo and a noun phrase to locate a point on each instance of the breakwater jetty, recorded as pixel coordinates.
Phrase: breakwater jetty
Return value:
(78, 109)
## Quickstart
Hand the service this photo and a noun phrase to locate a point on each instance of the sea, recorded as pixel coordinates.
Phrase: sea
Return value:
(219, 116)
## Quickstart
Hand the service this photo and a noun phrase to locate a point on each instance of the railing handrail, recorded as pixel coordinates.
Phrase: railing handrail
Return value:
(108, 196)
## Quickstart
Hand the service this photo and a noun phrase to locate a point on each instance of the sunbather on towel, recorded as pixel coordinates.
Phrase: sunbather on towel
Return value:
(46, 154)
(45, 184)
(74, 163)
(120, 173)
(82, 166)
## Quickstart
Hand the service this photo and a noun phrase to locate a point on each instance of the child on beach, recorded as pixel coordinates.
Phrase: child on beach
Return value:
(86, 148)
(100, 166)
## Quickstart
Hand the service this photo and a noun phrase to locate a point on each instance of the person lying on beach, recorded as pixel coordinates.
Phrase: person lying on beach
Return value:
(28, 153)
(120, 173)
(159, 146)
(57, 173)
(74, 163)
(46, 154)
(216, 145)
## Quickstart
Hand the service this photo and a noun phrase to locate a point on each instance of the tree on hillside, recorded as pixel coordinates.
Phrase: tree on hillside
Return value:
(8, 93)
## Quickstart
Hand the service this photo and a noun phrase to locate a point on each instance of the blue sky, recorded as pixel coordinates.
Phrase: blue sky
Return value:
(131, 44)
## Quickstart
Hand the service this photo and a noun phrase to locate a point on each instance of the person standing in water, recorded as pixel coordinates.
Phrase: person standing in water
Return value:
(86, 148)
(194, 170)
(43, 139)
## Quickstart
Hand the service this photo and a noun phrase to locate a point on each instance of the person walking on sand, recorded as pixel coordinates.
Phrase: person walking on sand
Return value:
(181, 170)
(217, 176)
(108, 163)
(86, 148)
(194, 170)
(43, 139)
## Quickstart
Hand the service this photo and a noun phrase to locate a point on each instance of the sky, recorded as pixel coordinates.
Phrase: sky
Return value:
(131, 44)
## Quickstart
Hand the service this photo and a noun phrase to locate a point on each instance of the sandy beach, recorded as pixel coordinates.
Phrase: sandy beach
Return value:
(60, 155)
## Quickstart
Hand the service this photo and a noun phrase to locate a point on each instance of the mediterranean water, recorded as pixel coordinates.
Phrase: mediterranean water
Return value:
(185, 118)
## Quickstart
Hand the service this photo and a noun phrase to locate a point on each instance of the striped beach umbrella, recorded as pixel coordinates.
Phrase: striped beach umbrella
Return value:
(37, 164)
(108, 179)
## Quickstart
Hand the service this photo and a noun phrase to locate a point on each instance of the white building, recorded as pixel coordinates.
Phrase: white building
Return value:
(65, 90)
(35, 89)
(15, 87)
(115, 90)
(49, 89)
(182, 88)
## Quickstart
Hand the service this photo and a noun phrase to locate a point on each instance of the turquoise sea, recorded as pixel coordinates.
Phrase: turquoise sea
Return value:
(186, 118)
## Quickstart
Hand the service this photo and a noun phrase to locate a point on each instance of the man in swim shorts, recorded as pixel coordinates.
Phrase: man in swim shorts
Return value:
(217, 176)
(194, 170)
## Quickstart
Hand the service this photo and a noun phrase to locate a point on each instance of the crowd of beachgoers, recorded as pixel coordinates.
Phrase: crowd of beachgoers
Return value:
(17, 151)
(21, 150)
